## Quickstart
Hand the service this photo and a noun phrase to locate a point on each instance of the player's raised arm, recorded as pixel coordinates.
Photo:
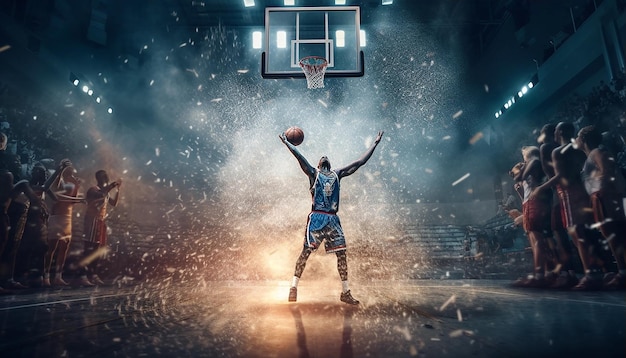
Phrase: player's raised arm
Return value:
(351, 168)
(304, 164)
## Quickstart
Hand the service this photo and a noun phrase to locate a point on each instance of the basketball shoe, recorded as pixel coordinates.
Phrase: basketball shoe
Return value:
(347, 298)
(293, 294)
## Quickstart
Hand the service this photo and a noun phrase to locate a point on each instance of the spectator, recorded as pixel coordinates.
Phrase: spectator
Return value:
(95, 229)
(536, 213)
(65, 196)
(8, 160)
(607, 189)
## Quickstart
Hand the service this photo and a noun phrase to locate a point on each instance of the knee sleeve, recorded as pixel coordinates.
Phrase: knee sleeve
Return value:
(301, 263)
(342, 265)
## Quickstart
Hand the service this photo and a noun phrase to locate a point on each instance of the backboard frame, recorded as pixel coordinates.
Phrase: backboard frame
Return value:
(295, 71)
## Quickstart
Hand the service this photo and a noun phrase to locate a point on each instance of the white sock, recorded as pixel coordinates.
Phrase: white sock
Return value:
(294, 281)
(344, 286)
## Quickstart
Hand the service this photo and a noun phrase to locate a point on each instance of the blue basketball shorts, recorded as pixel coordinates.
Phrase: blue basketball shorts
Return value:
(326, 228)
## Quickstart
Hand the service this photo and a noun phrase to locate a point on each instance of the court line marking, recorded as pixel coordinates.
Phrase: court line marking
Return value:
(62, 301)
(556, 298)
(529, 296)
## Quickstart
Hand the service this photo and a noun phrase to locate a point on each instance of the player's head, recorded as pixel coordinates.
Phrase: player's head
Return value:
(590, 136)
(530, 152)
(547, 133)
(3, 141)
(564, 131)
(102, 177)
(6, 181)
(38, 174)
(69, 181)
(324, 163)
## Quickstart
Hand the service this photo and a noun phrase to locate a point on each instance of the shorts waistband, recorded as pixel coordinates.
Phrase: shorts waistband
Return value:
(324, 212)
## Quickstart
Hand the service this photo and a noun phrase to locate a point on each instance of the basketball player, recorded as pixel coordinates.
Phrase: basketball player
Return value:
(536, 212)
(10, 237)
(95, 229)
(607, 189)
(575, 204)
(323, 224)
(562, 244)
(65, 196)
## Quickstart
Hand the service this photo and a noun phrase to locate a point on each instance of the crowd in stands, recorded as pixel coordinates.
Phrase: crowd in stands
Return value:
(37, 198)
(573, 193)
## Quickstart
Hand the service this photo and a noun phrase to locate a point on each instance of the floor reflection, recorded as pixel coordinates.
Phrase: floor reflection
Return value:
(394, 319)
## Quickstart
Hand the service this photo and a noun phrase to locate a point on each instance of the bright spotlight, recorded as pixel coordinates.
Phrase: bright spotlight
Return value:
(248, 3)
(362, 40)
(98, 100)
(524, 89)
(530, 85)
(340, 36)
(257, 39)
(387, 2)
(281, 39)
(497, 114)
(340, 2)
(110, 110)
(290, 2)
(90, 92)
(520, 94)
(74, 79)
(85, 89)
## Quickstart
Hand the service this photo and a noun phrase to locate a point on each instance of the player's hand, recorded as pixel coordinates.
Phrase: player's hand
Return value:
(379, 137)
(119, 182)
(283, 137)
(65, 163)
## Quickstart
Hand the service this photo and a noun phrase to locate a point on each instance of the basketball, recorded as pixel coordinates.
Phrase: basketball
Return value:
(294, 135)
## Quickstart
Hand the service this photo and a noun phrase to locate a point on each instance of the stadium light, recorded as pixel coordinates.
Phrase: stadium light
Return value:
(74, 79)
(257, 39)
(281, 39)
(387, 2)
(290, 2)
(362, 39)
(340, 36)
(340, 2)
(248, 3)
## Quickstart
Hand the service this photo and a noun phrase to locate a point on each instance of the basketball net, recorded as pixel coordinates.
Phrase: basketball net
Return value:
(314, 68)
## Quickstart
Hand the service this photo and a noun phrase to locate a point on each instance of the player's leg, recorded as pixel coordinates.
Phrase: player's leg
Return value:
(342, 267)
(300, 265)
(63, 247)
(584, 239)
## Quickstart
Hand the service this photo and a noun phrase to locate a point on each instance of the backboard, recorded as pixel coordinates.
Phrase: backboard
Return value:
(292, 33)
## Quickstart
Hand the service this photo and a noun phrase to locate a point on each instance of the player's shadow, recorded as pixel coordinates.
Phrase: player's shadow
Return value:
(303, 350)
(346, 337)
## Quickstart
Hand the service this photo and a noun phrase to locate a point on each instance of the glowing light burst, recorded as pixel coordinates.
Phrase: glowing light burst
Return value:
(456, 182)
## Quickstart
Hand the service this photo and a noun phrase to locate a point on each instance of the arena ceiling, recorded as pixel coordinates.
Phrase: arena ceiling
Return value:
(475, 20)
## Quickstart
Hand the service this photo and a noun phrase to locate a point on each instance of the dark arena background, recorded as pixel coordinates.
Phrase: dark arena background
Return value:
(168, 96)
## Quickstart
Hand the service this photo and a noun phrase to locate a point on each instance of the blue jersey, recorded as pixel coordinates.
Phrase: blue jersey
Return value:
(325, 192)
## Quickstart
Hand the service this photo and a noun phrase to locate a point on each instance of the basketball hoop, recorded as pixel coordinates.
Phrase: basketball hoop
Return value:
(314, 68)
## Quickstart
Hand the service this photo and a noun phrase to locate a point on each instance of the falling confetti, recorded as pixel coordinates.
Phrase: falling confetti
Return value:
(475, 138)
(461, 179)
(450, 300)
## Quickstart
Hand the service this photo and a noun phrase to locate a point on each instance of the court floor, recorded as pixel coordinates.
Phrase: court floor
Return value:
(411, 318)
